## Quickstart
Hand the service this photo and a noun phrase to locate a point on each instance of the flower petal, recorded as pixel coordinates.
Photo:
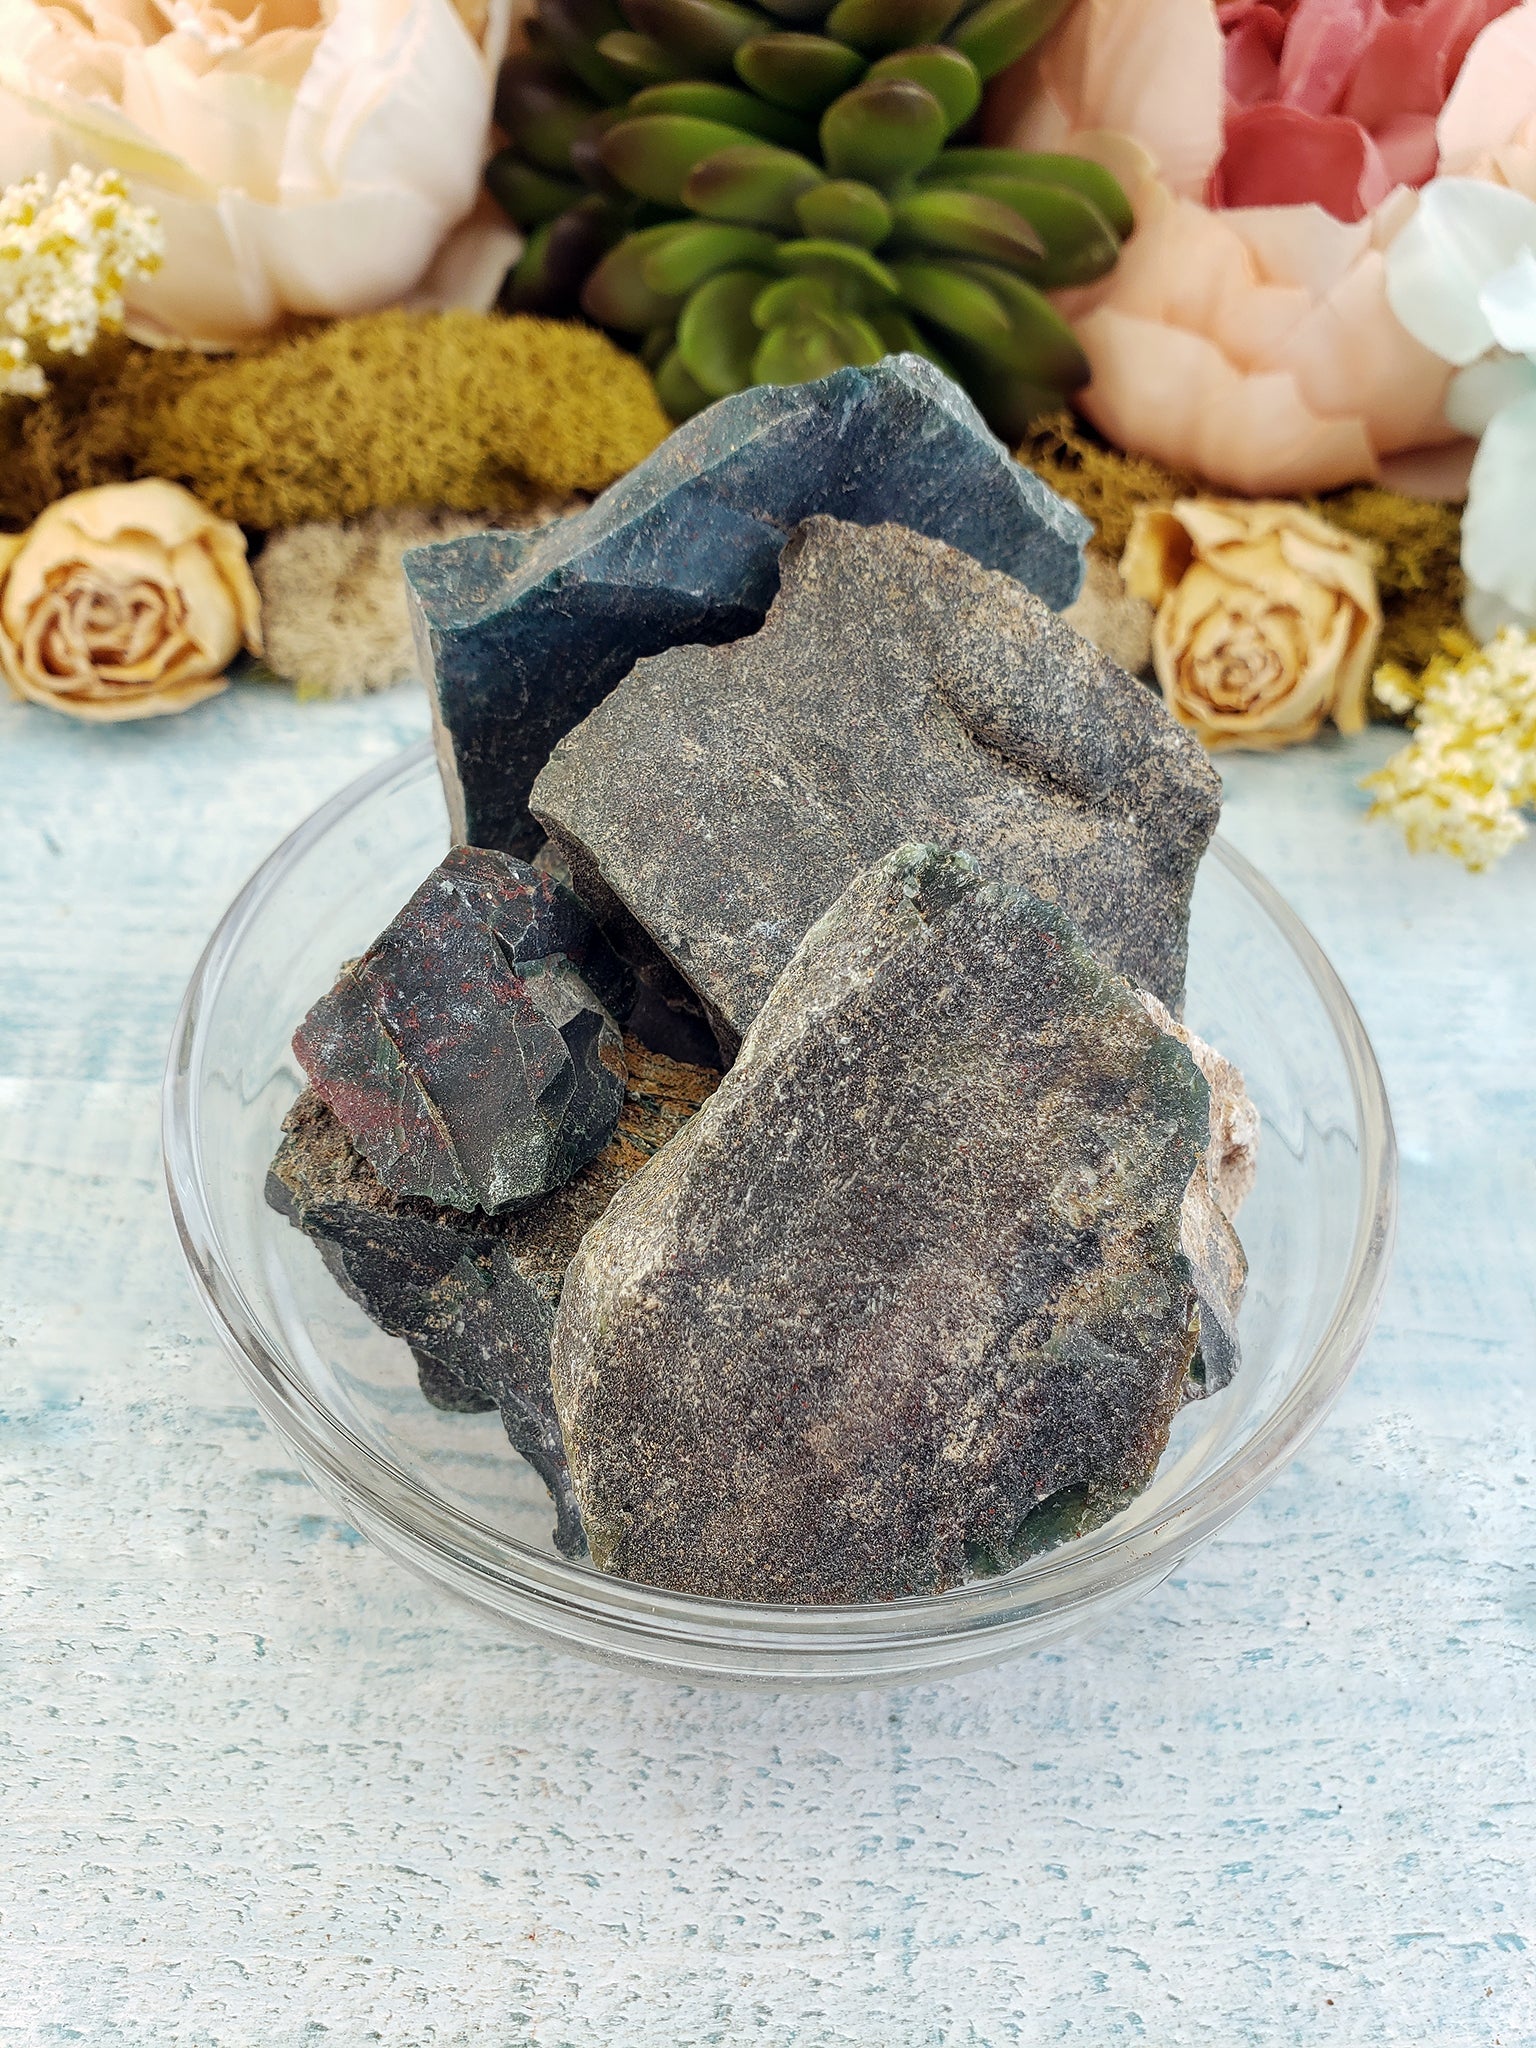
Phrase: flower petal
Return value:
(1463, 233)
(1151, 69)
(1286, 156)
(1495, 92)
(1485, 388)
(1500, 517)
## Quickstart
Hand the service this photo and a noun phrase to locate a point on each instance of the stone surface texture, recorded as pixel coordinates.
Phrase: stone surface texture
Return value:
(256, 1772)
(520, 636)
(721, 798)
(469, 1054)
(907, 1299)
(474, 1295)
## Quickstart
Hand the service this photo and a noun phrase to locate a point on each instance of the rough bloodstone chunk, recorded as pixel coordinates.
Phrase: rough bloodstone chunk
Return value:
(520, 635)
(469, 1054)
(907, 1299)
(721, 798)
(473, 1295)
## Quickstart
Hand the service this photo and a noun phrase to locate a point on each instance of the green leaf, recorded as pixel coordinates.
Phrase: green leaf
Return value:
(875, 26)
(542, 111)
(653, 154)
(1078, 243)
(716, 337)
(967, 224)
(706, 33)
(814, 347)
(751, 183)
(1041, 347)
(698, 249)
(706, 100)
(1037, 167)
(802, 72)
(789, 299)
(641, 59)
(618, 293)
(526, 195)
(882, 133)
(998, 33)
(845, 211)
(959, 303)
(951, 78)
(858, 278)
(677, 389)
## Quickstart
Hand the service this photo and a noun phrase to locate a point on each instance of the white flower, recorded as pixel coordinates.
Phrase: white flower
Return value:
(304, 156)
(1460, 784)
(65, 258)
(1461, 277)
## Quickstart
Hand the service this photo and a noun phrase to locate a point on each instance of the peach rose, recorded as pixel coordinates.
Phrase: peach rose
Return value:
(126, 601)
(1267, 619)
(302, 156)
(1253, 344)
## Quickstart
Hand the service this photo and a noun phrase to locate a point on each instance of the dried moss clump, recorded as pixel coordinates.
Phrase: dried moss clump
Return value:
(460, 410)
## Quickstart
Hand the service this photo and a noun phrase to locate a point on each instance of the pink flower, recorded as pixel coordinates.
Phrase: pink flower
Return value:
(1270, 148)
(1334, 101)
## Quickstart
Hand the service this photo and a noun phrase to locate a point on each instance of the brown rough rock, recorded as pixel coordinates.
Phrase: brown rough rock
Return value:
(908, 1298)
(474, 1295)
(721, 798)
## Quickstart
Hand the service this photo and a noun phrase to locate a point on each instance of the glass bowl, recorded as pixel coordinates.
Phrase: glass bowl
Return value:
(447, 1496)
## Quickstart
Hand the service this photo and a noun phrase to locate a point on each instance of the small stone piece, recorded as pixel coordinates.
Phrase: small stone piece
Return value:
(907, 1300)
(520, 636)
(721, 798)
(473, 1295)
(470, 1054)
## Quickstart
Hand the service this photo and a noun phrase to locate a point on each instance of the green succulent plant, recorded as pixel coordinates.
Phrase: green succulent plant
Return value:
(762, 197)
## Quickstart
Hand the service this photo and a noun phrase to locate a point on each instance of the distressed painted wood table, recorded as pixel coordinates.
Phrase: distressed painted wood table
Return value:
(259, 1787)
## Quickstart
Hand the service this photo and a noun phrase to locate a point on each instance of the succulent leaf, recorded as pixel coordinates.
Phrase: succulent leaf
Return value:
(999, 32)
(1041, 347)
(677, 389)
(529, 195)
(653, 154)
(855, 277)
(641, 59)
(763, 191)
(716, 335)
(966, 224)
(751, 183)
(544, 110)
(619, 294)
(882, 133)
(1077, 173)
(814, 347)
(951, 78)
(694, 250)
(708, 101)
(705, 32)
(801, 72)
(875, 26)
(1077, 244)
(960, 304)
(846, 211)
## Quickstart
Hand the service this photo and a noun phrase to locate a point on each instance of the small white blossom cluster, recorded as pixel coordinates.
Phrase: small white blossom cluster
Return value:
(65, 256)
(1460, 784)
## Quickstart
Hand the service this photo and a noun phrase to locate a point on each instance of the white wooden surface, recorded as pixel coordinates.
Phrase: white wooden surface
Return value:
(260, 1787)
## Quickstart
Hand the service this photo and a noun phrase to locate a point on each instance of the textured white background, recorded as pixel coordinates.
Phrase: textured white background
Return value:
(258, 1787)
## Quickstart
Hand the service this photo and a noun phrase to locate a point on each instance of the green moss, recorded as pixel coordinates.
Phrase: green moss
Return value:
(466, 410)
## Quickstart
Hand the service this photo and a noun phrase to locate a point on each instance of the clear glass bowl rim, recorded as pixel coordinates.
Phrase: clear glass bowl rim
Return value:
(544, 1592)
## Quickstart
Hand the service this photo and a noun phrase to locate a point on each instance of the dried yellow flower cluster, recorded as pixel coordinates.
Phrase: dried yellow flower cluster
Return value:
(65, 256)
(1460, 784)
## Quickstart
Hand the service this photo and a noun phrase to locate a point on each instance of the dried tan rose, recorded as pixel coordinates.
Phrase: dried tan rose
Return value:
(125, 602)
(1267, 618)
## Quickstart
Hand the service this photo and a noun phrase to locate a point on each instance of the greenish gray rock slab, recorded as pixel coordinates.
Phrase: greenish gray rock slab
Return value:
(721, 798)
(473, 1295)
(909, 1298)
